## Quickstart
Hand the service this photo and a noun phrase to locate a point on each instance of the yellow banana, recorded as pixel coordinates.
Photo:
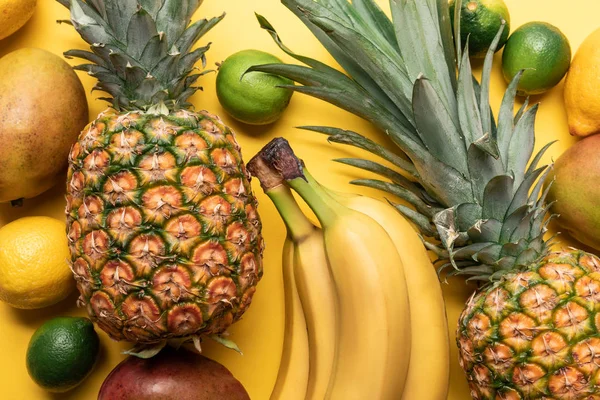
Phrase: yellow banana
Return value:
(315, 288)
(429, 369)
(374, 322)
(292, 378)
(319, 302)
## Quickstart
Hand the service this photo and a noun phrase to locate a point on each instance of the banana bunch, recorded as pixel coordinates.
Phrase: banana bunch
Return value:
(351, 332)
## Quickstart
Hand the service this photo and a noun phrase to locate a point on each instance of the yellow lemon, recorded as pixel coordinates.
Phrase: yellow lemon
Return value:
(582, 98)
(14, 14)
(34, 271)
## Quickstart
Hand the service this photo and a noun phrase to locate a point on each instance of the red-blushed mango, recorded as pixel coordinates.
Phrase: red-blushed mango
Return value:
(576, 192)
(171, 375)
(43, 109)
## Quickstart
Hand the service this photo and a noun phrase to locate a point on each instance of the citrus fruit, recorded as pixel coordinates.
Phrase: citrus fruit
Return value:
(62, 352)
(582, 98)
(480, 21)
(252, 98)
(14, 14)
(543, 51)
(34, 272)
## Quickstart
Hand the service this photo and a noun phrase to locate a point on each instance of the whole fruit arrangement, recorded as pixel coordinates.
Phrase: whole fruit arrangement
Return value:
(34, 272)
(163, 229)
(480, 21)
(171, 375)
(531, 329)
(254, 98)
(573, 191)
(582, 99)
(62, 353)
(14, 14)
(43, 109)
(543, 51)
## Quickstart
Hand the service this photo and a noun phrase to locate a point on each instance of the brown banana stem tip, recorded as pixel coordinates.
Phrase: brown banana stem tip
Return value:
(279, 154)
(268, 176)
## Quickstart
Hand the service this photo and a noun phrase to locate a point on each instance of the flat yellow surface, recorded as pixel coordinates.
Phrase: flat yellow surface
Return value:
(260, 333)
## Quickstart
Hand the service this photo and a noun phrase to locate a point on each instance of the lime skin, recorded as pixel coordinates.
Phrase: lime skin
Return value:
(543, 51)
(253, 98)
(62, 352)
(480, 21)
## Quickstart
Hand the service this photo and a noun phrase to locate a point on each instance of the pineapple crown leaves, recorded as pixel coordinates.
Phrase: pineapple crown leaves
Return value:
(141, 50)
(471, 180)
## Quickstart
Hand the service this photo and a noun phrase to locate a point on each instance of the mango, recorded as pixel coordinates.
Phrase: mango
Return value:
(14, 14)
(43, 108)
(171, 375)
(576, 192)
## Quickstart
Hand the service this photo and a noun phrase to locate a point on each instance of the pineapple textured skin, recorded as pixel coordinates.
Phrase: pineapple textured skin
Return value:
(163, 229)
(535, 334)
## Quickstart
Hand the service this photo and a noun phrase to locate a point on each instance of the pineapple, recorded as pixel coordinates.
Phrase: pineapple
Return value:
(473, 184)
(163, 229)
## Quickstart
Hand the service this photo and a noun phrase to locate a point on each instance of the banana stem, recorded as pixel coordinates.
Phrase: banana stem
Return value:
(325, 207)
(297, 224)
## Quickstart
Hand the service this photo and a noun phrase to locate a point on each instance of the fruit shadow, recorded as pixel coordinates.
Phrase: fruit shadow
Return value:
(34, 318)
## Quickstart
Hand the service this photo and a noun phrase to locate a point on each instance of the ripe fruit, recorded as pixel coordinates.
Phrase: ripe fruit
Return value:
(480, 21)
(543, 51)
(163, 230)
(537, 328)
(572, 195)
(38, 126)
(171, 375)
(369, 284)
(62, 353)
(582, 99)
(34, 272)
(15, 13)
(254, 97)
(476, 191)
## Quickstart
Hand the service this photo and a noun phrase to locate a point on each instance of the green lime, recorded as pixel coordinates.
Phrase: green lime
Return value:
(480, 21)
(253, 98)
(543, 51)
(62, 352)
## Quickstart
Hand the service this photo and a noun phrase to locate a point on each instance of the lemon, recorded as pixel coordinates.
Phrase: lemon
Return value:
(582, 98)
(543, 51)
(253, 98)
(480, 21)
(34, 272)
(14, 14)
(62, 352)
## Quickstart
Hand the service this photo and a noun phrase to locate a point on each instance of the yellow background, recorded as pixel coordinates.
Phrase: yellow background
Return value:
(259, 334)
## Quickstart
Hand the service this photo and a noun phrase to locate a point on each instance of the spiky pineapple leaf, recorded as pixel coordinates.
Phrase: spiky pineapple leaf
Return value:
(230, 344)
(301, 8)
(506, 118)
(497, 197)
(421, 48)
(376, 19)
(400, 192)
(382, 170)
(145, 350)
(468, 109)
(521, 145)
(482, 169)
(388, 72)
(438, 130)
(140, 31)
(484, 97)
(421, 221)
(118, 15)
